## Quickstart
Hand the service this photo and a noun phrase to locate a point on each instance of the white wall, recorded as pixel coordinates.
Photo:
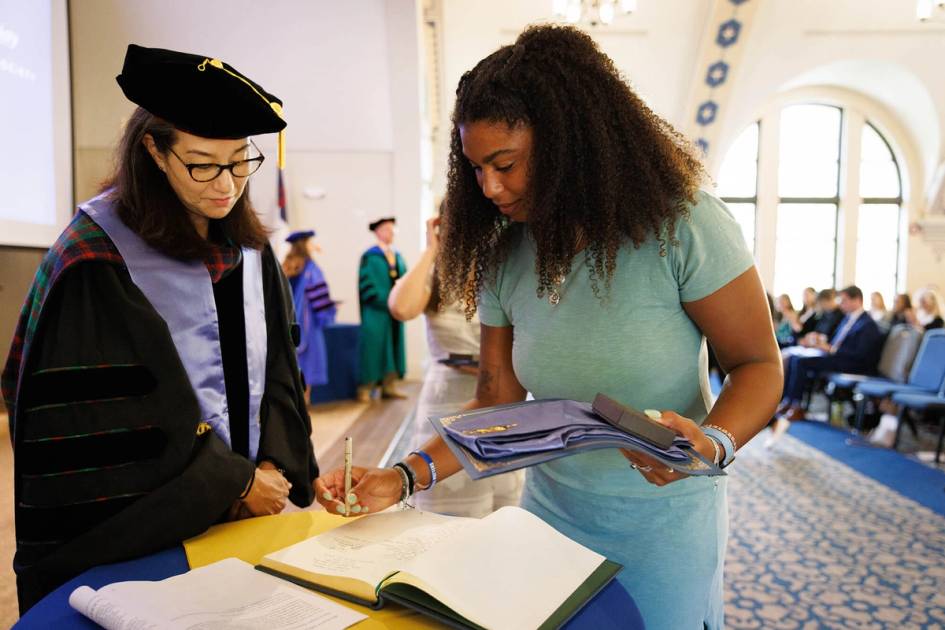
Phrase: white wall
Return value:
(874, 47)
(347, 74)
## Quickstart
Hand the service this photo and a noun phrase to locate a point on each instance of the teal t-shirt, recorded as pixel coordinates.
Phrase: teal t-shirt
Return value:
(638, 345)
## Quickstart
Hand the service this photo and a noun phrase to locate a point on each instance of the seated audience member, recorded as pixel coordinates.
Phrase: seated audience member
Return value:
(926, 317)
(785, 321)
(878, 310)
(817, 330)
(809, 308)
(901, 310)
(152, 384)
(928, 312)
(853, 348)
(826, 322)
(447, 388)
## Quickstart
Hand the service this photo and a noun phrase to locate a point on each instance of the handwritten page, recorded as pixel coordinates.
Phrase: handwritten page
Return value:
(512, 570)
(226, 594)
(373, 547)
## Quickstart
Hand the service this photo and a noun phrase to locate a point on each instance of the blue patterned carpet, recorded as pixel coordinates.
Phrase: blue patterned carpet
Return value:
(816, 543)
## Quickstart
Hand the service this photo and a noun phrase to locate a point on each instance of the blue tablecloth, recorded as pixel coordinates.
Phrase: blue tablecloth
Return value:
(54, 611)
(342, 346)
(611, 609)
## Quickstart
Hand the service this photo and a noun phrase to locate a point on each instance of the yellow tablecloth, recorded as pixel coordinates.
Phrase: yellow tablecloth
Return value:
(251, 539)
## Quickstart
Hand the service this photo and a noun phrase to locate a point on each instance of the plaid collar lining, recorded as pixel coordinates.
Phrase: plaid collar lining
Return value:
(82, 240)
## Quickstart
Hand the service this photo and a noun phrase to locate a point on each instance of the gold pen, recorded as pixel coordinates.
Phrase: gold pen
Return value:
(349, 448)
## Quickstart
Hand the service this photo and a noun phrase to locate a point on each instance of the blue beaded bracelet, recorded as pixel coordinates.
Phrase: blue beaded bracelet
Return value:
(724, 438)
(429, 460)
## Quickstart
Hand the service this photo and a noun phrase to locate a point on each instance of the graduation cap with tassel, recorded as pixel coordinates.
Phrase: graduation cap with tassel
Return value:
(202, 96)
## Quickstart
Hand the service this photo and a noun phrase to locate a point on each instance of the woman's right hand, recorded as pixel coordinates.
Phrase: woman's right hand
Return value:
(269, 492)
(373, 490)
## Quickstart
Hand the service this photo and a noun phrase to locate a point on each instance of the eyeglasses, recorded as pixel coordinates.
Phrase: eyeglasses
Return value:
(208, 172)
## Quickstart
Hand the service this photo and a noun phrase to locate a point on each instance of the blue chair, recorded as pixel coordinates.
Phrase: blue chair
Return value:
(933, 404)
(899, 351)
(927, 375)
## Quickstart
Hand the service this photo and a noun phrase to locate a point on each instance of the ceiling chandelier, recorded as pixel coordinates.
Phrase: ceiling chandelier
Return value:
(926, 10)
(593, 12)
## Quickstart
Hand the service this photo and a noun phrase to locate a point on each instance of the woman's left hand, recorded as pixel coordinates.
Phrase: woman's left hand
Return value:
(659, 474)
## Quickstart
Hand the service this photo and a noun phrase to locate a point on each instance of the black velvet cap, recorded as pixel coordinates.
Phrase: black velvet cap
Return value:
(197, 94)
(376, 224)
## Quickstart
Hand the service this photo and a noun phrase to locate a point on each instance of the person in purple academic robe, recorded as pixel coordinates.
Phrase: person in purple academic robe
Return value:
(314, 308)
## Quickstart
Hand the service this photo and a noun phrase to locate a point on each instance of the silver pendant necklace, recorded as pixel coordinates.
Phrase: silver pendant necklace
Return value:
(554, 296)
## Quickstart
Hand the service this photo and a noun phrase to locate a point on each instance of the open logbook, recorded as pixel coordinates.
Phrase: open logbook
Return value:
(509, 570)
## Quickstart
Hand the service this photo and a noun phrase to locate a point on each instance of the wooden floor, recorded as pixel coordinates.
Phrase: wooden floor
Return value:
(372, 425)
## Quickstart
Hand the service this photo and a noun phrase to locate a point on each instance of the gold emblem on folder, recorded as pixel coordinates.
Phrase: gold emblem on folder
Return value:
(498, 428)
(202, 428)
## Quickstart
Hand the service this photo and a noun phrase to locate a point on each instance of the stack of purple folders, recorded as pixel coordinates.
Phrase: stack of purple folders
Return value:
(508, 437)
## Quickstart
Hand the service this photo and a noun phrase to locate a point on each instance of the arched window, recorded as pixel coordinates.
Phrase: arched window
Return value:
(808, 198)
(738, 181)
(820, 204)
(877, 243)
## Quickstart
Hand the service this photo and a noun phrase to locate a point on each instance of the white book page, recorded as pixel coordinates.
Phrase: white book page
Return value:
(510, 571)
(372, 547)
(226, 594)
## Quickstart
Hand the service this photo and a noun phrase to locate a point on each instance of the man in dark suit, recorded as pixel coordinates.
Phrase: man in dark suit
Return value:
(853, 348)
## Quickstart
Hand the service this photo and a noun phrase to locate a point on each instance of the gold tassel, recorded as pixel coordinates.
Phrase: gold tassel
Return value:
(276, 107)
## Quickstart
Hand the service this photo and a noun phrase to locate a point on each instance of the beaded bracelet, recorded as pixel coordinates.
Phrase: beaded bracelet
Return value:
(410, 482)
(405, 484)
(429, 460)
(718, 450)
(725, 440)
(725, 431)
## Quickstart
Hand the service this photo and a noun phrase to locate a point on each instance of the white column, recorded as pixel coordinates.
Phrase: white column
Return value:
(766, 215)
(849, 210)
(404, 67)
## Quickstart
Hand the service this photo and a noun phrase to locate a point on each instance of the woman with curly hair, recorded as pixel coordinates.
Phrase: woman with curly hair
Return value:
(574, 218)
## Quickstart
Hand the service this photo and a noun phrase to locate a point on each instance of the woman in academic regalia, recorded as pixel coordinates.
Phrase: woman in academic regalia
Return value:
(152, 383)
(314, 308)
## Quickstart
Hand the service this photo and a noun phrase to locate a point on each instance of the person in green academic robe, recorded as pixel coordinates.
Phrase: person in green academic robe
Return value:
(383, 358)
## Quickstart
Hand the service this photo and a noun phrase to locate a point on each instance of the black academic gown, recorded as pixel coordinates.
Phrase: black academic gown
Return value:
(135, 477)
